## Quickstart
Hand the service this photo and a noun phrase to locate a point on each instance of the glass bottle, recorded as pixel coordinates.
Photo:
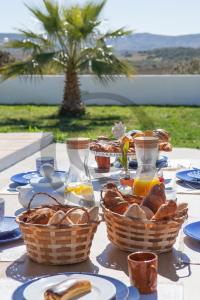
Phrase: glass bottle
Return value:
(146, 175)
(79, 189)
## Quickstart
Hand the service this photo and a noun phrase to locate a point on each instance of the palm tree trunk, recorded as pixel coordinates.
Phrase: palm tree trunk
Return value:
(71, 104)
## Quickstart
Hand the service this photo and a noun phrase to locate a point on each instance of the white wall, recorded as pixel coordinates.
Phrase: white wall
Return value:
(146, 89)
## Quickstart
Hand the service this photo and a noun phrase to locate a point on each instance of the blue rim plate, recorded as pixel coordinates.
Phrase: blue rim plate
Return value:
(24, 178)
(183, 175)
(7, 226)
(193, 230)
(11, 237)
(122, 290)
(195, 174)
(162, 162)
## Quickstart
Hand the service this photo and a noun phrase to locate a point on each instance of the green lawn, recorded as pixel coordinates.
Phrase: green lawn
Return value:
(182, 122)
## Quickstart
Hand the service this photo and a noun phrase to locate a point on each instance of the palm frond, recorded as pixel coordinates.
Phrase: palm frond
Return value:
(50, 20)
(28, 34)
(31, 66)
(81, 21)
(25, 45)
(121, 32)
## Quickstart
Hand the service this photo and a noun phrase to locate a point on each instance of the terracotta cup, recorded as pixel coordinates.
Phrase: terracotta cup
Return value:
(103, 162)
(142, 267)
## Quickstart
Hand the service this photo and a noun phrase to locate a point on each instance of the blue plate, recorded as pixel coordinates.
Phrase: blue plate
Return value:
(195, 174)
(7, 226)
(122, 290)
(193, 230)
(161, 163)
(183, 175)
(11, 237)
(24, 178)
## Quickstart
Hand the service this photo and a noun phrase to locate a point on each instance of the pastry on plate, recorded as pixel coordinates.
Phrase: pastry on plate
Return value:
(68, 289)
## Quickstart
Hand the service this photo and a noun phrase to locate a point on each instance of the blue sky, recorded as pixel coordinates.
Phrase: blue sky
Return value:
(173, 17)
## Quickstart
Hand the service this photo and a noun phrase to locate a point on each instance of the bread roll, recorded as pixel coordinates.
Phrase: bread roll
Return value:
(155, 198)
(68, 289)
(149, 213)
(59, 218)
(135, 211)
(40, 216)
(94, 213)
(166, 211)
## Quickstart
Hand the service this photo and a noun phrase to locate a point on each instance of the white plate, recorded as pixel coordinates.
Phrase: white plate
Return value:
(102, 289)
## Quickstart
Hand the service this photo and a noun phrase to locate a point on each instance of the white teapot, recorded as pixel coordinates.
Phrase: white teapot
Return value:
(48, 183)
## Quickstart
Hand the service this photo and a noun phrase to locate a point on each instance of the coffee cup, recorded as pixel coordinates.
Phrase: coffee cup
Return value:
(142, 267)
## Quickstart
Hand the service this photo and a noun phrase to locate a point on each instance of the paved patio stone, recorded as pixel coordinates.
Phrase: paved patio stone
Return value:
(18, 145)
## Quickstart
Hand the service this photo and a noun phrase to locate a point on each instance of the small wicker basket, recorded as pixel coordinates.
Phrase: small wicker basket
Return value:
(133, 234)
(57, 244)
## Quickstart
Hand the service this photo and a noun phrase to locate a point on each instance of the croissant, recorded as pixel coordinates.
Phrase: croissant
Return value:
(165, 146)
(112, 197)
(120, 208)
(161, 134)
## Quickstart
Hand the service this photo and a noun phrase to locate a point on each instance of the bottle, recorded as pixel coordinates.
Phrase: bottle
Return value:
(79, 189)
(146, 175)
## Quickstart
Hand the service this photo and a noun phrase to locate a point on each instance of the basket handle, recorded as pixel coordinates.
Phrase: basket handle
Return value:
(73, 209)
(101, 194)
(43, 193)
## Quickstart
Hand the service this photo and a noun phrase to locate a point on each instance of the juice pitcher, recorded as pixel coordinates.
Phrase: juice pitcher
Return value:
(147, 154)
(79, 189)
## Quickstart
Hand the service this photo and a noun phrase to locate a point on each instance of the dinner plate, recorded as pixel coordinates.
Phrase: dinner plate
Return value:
(7, 226)
(11, 237)
(24, 178)
(121, 289)
(193, 230)
(195, 174)
(183, 175)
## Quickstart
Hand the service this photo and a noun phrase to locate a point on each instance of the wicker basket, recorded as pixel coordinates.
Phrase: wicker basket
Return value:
(57, 244)
(132, 234)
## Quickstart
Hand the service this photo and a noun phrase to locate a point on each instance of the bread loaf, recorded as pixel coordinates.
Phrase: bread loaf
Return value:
(166, 211)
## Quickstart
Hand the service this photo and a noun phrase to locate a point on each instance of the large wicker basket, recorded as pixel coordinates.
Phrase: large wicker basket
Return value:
(132, 234)
(57, 244)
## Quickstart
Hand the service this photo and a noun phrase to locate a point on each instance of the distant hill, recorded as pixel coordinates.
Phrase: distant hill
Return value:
(147, 41)
(4, 37)
(138, 41)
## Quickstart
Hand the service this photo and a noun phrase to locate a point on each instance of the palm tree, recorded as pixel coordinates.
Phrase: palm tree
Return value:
(70, 40)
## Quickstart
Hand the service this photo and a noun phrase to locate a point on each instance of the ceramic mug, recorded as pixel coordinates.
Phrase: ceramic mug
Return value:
(142, 267)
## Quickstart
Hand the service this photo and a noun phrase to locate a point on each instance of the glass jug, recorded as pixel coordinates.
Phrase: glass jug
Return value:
(79, 189)
(146, 175)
